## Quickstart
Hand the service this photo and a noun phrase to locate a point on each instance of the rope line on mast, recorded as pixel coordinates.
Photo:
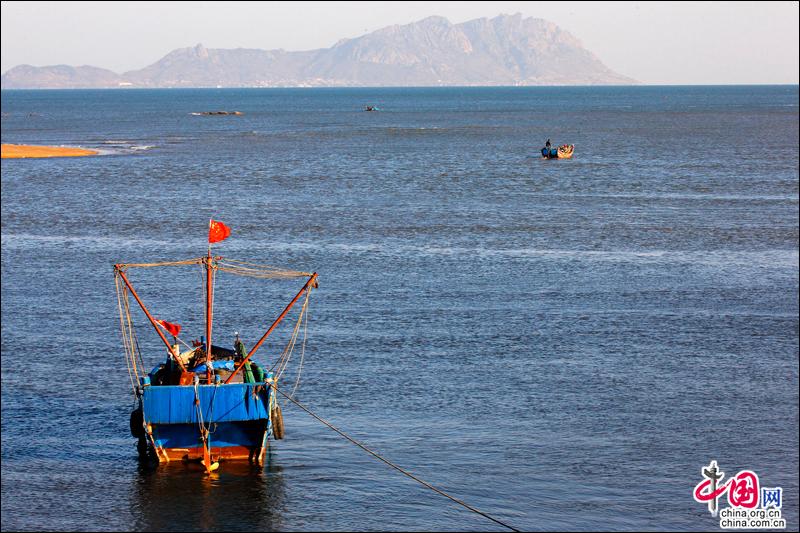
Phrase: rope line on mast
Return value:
(132, 332)
(194, 261)
(289, 350)
(130, 340)
(391, 464)
(128, 352)
(259, 266)
(233, 266)
(303, 346)
(283, 360)
(256, 270)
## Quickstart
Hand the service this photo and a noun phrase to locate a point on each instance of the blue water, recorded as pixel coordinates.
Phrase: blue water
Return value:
(562, 344)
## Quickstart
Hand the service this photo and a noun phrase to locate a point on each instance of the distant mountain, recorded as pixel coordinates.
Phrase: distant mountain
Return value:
(59, 77)
(505, 50)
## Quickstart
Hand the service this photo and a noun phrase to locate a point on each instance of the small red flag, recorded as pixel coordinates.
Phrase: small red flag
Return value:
(172, 329)
(217, 231)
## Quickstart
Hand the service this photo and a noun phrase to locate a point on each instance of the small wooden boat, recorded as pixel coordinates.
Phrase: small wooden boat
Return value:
(562, 152)
(565, 151)
(206, 403)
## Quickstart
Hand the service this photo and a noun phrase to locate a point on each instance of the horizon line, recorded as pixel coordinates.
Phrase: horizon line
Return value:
(206, 87)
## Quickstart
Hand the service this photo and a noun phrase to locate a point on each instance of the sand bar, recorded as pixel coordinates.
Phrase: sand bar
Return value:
(18, 151)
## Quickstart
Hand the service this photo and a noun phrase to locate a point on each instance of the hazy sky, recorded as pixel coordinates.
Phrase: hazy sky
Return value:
(653, 42)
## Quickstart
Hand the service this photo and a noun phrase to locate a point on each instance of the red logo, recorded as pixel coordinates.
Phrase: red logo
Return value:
(743, 491)
(742, 488)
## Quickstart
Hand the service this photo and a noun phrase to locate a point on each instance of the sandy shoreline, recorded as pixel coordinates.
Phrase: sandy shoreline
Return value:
(19, 151)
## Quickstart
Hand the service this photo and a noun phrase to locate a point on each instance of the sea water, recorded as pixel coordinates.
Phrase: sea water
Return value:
(562, 344)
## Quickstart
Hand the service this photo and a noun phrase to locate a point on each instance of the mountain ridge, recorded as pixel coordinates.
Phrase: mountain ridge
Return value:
(504, 50)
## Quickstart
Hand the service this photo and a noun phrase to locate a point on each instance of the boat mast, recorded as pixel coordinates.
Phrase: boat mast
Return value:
(209, 312)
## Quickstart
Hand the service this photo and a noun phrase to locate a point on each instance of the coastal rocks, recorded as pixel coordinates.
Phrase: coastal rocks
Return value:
(218, 113)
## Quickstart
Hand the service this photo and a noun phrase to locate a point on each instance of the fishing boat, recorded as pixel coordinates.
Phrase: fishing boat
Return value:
(206, 403)
(562, 152)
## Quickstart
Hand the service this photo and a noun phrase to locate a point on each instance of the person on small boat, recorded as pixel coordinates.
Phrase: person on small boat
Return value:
(546, 149)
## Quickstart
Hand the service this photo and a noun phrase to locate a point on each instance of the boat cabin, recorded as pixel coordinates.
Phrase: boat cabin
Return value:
(223, 361)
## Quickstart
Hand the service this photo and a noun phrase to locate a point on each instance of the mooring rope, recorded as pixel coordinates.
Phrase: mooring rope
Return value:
(388, 462)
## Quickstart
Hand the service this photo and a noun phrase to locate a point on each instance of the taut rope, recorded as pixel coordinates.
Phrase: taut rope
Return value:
(388, 462)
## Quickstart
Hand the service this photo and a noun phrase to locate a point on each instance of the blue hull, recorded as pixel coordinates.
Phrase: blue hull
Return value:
(237, 417)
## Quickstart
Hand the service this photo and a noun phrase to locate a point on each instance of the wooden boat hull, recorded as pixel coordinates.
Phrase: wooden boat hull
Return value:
(565, 152)
(230, 441)
(237, 416)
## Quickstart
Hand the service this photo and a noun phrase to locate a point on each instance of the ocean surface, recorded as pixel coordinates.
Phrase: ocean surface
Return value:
(561, 344)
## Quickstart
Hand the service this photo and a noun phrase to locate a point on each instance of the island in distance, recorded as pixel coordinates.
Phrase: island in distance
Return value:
(505, 50)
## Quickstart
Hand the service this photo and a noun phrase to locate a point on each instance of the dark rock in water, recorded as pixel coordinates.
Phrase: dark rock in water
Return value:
(219, 113)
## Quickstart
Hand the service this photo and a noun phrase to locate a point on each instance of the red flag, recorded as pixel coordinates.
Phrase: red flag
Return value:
(217, 231)
(172, 329)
